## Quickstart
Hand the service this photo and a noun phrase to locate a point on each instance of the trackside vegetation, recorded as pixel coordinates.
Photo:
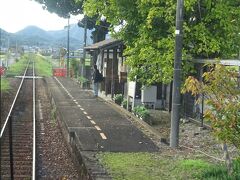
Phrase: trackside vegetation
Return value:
(221, 91)
(17, 68)
(13, 70)
(4, 85)
(43, 66)
(156, 166)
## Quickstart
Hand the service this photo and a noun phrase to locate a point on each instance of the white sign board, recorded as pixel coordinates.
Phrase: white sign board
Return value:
(131, 88)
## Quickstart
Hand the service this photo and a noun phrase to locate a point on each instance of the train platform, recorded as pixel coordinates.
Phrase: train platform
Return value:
(92, 125)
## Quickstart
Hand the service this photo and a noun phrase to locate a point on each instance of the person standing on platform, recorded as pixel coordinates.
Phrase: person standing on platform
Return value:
(97, 78)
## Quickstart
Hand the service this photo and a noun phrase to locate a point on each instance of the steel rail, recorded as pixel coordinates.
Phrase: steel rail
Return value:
(33, 113)
(34, 127)
(15, 98)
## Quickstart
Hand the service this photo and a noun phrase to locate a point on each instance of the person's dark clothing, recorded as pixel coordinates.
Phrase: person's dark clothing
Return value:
(97, 77)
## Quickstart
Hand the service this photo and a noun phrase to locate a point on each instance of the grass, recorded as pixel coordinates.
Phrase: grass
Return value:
(196, 168)
(134, 166)
(43, 66)
(13, 70)
(154, 166)
(4, 84)
(17, 68)
(220, 172)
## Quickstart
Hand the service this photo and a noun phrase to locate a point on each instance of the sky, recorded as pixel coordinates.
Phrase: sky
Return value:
(15, 15)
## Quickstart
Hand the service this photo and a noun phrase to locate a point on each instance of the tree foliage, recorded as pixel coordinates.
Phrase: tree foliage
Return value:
(147, 27)
(101, 27)
(64, 8)
(222, 93)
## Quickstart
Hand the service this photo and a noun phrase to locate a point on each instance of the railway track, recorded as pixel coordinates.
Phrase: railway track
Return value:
(17, 135)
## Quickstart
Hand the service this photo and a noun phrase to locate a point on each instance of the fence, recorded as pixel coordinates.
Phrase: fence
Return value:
(59, 72)
(2, 70)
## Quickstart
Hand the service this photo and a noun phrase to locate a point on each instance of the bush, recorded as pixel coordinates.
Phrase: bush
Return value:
(82, 79)
(85, 83)
(141, 112)
(118, 99)
(124, 103)
(74, 67)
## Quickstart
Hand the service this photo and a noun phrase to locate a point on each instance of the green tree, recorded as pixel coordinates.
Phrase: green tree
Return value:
(64, 8)
(101, 27)
(222, 94)
(147, 27)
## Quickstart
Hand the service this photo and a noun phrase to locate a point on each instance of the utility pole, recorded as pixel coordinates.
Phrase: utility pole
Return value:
(83, 71)
(8, 53)
(68, 47)
(239, 70)
(176, 100)
(0, 108)
(16, 50)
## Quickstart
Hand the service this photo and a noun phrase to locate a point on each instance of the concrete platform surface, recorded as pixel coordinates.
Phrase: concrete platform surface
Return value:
(98, 126)
(93, 125)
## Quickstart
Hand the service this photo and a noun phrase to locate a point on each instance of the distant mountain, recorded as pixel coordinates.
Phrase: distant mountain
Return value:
(3, 32)
(31, 31)
(4, 38)
(35, 36)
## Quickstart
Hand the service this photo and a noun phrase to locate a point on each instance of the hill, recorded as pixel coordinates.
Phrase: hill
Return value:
(35, 36)
(4, 38)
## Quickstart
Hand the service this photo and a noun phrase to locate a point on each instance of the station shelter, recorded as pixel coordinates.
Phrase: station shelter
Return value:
(108, 56)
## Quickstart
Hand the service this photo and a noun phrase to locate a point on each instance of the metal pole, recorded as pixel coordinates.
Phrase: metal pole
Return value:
(8, 56)
(84, 45)
(239, 70)
(68, 47)
(201, 71)
(176, 101)
(202, 116)
(0, 108)
(238, 76)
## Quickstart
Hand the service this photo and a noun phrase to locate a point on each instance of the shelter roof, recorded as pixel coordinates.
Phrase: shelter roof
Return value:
(105, 44)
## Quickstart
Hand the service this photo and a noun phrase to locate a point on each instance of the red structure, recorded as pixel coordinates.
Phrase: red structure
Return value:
(2, 70)
(59, 72)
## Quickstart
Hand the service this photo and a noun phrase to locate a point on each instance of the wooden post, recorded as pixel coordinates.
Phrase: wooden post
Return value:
(114, 71)
(106, 78)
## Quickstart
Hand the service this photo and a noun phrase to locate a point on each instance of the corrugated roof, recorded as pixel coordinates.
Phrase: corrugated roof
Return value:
(104, 44)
